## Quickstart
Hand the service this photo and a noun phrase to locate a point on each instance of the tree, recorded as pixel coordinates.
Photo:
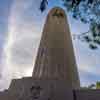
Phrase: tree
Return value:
(98, 85)
(87, 11)
(92, 86)
(43, 5)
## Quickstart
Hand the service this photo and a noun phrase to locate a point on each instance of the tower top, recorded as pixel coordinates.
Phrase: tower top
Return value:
(56, 8)
(56, 11)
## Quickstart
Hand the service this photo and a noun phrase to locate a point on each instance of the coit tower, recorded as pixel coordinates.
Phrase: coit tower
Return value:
(55, 59)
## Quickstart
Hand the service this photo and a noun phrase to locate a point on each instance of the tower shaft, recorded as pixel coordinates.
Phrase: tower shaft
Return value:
(55, 59)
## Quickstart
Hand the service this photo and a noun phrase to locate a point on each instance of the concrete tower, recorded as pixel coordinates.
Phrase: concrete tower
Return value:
(55, 59)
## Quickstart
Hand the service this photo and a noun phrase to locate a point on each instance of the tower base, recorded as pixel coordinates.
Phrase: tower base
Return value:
(29, 89)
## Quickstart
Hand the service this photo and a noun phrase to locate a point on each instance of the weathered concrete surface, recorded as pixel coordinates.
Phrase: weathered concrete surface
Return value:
(55, 59)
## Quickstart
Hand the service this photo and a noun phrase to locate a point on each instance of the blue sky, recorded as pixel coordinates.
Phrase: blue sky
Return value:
(4, 13)
(21, 25)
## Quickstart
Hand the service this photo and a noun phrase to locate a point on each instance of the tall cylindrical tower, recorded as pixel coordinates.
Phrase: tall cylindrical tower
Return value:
(55, 59)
